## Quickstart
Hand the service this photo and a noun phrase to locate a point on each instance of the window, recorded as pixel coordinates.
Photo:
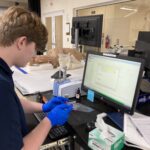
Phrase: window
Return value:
(122, 21)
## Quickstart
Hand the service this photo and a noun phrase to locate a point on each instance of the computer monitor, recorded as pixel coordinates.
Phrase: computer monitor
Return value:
(142, 50)
(115, 78)
(144, 36)
(89, 30)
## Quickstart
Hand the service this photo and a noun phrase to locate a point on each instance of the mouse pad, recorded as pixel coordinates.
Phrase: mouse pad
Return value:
(77, 117)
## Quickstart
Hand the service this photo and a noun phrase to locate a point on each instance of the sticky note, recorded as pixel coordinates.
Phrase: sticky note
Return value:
(90, 95)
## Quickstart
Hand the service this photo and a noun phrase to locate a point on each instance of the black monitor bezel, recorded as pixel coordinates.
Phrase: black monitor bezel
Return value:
(102, 97)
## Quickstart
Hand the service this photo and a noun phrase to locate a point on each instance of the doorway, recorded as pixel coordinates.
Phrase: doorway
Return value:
(54, 24)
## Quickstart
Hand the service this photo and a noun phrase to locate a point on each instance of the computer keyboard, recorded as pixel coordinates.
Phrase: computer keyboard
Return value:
(56, 132)
(40, 116)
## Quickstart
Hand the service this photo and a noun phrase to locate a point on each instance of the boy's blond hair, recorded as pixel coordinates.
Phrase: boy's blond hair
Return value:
(16, 22)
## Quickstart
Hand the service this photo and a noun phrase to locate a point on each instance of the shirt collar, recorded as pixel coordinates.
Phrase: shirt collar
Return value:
(5, 67)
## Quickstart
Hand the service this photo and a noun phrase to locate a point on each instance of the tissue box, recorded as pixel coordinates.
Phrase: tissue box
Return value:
(115, 140)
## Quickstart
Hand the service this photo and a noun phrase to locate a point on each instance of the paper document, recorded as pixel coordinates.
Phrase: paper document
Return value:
(143, 125)
(33, 83)
(38, 67)
(131, 133)
(40, 80)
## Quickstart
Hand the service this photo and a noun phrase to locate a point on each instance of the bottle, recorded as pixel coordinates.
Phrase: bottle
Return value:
(78, 95)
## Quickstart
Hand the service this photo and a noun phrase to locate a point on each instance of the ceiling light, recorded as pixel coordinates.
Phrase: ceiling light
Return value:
(128, 9)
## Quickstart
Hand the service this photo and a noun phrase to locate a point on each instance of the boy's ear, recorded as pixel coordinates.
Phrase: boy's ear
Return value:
(21, 42)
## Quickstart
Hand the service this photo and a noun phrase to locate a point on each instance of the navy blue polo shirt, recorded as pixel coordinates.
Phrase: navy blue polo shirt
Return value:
(12, 119)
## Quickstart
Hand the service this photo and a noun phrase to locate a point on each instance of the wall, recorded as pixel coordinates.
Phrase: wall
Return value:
(8, 3)
(4, 4)
(48, 6)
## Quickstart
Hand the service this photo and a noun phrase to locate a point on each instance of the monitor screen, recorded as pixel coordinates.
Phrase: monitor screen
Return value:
(144, 36)
(89, 30)
(116, 79)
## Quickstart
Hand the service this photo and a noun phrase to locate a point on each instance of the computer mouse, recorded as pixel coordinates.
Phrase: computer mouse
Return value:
(90, 126)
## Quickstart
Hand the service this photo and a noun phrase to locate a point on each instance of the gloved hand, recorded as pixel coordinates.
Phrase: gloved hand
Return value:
(53, 102)
(60, 114)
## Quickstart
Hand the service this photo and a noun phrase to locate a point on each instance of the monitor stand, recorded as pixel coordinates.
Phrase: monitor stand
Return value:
(117, 118)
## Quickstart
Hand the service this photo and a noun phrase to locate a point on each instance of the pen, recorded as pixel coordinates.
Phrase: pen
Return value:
(135, 127)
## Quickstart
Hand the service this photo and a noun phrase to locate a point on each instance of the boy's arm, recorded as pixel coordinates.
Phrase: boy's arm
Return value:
(36, 137)
(58, 116)
(30, 106)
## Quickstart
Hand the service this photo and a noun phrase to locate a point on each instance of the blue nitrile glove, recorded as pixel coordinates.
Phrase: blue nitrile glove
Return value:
(60, 114)
(53, 102)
